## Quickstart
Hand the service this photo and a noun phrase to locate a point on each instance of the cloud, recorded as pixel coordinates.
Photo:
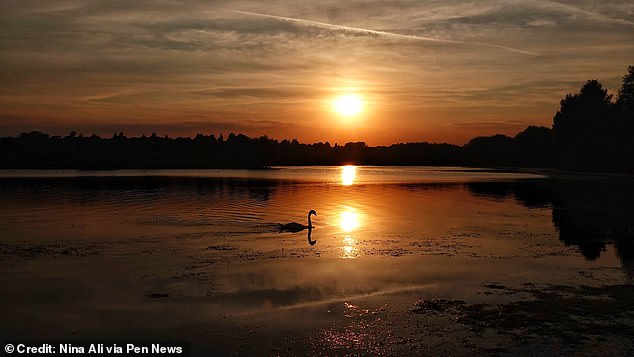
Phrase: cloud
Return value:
(578, 12)
(378, 32)
(146, 63)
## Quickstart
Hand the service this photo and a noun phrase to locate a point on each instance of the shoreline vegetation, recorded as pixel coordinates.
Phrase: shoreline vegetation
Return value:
(591, 132)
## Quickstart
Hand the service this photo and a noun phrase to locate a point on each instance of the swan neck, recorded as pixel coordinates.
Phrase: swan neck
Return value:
(310, 224)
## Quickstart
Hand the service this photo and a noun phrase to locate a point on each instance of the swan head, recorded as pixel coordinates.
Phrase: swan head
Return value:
(312, 211)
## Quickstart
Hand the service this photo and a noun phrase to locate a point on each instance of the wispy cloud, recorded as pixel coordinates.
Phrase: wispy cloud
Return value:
(211, 64)
(378, 32)
(584, 13)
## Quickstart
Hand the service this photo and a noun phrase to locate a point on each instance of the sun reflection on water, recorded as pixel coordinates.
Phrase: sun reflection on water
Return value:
(349, 249)
(349, 221)
(348, 174)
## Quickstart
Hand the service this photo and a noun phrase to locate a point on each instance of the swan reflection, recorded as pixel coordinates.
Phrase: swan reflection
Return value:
(310, 241)
(348, 174)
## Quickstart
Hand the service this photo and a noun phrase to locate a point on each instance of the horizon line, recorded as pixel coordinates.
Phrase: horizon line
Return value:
(166, 136)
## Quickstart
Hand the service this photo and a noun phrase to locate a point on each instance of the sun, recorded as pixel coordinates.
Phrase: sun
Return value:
(348, 104)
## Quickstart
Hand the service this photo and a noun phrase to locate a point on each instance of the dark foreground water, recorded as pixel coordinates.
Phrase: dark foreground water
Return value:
(164, 254)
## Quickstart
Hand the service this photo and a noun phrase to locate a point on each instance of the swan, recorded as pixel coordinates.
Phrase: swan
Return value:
(296, 227)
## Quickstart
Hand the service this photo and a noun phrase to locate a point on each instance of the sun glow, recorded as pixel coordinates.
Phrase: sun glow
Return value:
(348, 104)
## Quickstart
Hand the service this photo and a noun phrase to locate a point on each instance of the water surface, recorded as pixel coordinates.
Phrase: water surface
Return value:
(208, 241)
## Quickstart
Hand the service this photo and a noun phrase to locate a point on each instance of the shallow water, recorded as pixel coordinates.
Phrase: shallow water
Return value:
(210, 238)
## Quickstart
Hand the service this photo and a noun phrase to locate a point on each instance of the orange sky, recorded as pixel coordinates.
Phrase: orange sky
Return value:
(425, 70)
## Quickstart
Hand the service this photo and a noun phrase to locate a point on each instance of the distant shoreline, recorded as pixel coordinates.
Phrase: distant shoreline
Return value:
(534, 148)
(130, 172)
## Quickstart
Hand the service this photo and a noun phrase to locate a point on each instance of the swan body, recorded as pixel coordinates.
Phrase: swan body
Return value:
(297, 227)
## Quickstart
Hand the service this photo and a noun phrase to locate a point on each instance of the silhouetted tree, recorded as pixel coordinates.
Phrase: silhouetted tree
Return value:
(490, 150)
(625, 98)
(533, 147)
(625, 124)
(582, 128)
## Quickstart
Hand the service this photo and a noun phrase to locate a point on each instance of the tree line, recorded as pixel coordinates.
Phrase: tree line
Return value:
(592, 131)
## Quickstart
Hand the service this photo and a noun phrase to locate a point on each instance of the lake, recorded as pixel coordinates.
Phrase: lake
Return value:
(401, 260)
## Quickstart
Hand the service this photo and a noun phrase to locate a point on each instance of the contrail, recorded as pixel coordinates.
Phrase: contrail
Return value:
(376, 32)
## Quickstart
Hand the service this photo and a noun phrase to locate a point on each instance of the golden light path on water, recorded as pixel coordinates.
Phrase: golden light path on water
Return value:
(349, 220)
(348, 175)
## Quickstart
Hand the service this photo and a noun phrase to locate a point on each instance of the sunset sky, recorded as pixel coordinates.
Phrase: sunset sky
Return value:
(421, 70)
